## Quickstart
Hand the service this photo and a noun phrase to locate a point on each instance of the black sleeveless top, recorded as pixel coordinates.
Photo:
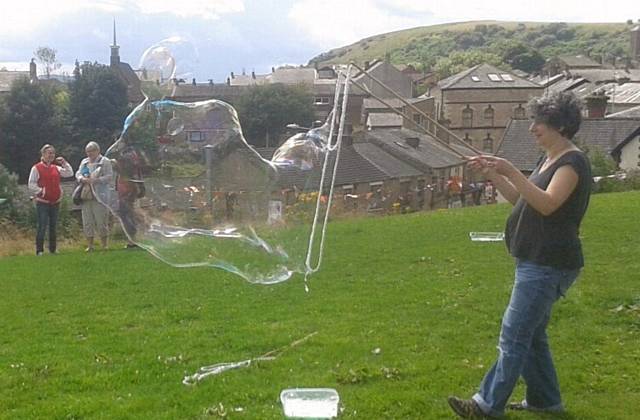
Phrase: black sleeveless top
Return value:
(552, 240)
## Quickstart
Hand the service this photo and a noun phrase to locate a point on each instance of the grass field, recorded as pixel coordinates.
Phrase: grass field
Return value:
(112, 334)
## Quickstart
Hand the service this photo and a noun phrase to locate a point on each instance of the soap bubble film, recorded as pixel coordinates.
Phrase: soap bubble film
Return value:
(190, 189)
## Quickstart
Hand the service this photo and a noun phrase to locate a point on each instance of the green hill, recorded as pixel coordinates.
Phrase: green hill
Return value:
(406, 308)
(517, 44)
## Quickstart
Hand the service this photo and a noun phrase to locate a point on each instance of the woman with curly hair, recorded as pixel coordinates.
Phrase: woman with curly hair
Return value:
(542, 235)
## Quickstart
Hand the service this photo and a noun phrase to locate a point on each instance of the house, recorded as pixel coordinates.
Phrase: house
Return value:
(568, 63)
(372, 107)
(8, 77)
(477, 103)
(388, 74)
(606, 135)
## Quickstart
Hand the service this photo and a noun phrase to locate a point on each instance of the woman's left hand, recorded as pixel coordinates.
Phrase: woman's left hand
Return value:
(489, 163)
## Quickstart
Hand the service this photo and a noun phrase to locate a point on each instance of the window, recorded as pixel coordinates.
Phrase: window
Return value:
(487, 144)
(195, 136)
(417, 118)
(506, 77)
(493, 77)
(519, 113)
(467, 117)
(488, 116)
(475, 78)
(321, 100)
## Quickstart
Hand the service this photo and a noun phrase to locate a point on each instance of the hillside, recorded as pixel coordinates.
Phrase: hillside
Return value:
(523, 45)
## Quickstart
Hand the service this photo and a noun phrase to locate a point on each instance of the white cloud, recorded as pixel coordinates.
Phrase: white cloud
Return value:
(208, 9)
(23, 17)
(333, 23)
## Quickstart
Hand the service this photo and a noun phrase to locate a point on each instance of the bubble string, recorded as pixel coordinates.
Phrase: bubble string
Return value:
(309, 268)
(219, 368)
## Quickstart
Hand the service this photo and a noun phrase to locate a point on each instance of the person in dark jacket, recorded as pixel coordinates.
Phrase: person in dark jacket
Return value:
(542, 234)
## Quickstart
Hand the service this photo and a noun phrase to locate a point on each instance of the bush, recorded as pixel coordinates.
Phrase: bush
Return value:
(631, 181)
(8, 191)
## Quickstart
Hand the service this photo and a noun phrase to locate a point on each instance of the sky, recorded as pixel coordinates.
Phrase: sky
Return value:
(250, 35)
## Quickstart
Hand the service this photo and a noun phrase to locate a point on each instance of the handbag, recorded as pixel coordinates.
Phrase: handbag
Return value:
(76, 197)
(86, 194)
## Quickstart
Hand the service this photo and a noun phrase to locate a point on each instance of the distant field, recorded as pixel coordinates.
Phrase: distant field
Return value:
(110, 335)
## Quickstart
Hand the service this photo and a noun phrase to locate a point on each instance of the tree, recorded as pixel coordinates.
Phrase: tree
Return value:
(27, 124)
(264, 111)
(97, 104)
(521, 56)
(462, 60)
(47, 56)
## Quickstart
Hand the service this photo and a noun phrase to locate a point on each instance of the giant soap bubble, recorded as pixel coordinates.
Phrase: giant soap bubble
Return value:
(193, 192)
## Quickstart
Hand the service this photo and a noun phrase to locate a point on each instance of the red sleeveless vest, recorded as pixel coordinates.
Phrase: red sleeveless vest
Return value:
(49, 181)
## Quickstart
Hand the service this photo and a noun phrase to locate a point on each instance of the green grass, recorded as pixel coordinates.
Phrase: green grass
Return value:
(111, 334)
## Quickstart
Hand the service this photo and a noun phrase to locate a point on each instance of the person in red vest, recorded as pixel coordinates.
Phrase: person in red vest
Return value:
(44, 183)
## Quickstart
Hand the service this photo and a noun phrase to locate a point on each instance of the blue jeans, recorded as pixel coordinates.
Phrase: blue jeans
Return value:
(523, 346)
(47, 215)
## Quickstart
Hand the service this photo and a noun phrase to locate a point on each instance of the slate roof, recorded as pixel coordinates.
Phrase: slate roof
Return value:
(566, 83)
(247, 80)
(626, 93)
(627, 113)
(520, 147)
(359, 163)
(429, 154)
(188, 93)
(372, 103)
(607, 75)
(477, 77)
(7, 78)
(578, 61)
(292, 76)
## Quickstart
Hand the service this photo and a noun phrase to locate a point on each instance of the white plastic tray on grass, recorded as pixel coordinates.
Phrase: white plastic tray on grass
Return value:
(318, 403)
(486, 236)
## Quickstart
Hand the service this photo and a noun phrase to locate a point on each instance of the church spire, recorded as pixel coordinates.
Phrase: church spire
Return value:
(114, 32)
(115, 49)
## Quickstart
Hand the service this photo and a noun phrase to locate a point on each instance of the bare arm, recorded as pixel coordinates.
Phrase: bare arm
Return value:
(562, 184)
(506, 188)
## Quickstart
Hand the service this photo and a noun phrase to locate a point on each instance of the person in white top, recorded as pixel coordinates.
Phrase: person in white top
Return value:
(44, 184)
(96, 174)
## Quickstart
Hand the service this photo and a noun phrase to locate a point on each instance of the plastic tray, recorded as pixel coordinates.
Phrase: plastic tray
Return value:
(318, 403)
(486, 236)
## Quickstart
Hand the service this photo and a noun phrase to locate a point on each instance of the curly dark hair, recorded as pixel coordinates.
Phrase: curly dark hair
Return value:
(560, 110)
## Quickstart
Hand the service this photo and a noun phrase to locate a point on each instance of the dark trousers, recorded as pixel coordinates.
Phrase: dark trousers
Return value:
(47, 215)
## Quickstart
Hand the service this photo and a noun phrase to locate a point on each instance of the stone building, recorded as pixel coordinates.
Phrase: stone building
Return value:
(476, 104)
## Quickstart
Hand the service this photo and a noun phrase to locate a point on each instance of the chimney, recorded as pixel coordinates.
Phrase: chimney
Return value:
(367, 64)
(33, 73)
(210, 82)
(233, 76)
(596, 105)
(193, 81)
(253, 74)
(273, 69)
(413, 142)
(228, 81)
